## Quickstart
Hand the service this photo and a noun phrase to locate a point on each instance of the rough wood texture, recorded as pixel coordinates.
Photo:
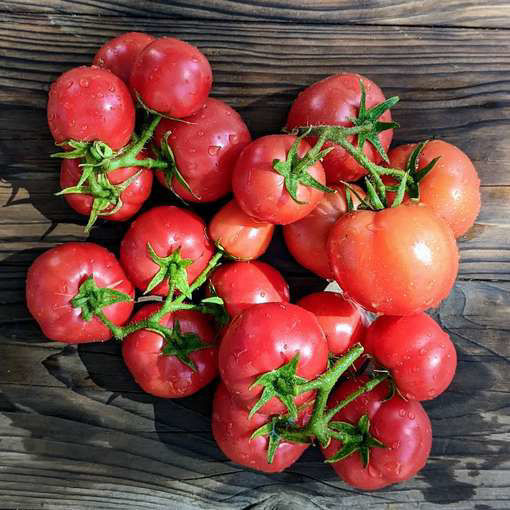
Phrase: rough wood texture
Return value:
(75, 431)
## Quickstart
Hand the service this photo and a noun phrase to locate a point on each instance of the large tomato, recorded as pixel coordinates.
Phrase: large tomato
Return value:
(171, 77)
(88, 104)
(232, 428)
(54, 279)
(244, 284)
(451, 188)
(242, 237)
(132, 198)
(260, 190)
(402, 426)
(205, 148)
(418, 353)
(397, 261)
(306, 239)
(263, 338)
(334, 101)
(162, 373)
(167, 229)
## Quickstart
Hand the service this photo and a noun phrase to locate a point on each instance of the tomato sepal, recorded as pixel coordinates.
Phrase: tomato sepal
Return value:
(215, 306)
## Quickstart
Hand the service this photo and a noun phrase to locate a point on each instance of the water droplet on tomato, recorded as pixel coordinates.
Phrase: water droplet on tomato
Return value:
(213, 150)
(228, 113)
(67, 105)
(52, 116)
(395, 444)
(415, 370)
(200, 133)
(111, 88)
(402, 412)
(84, 127)
(233, 139)
(431, 393)
(374, 473)
(84, 82)
(193, 150)
(194, 59)
(423, 351)
(411, 416)
(69, 84)
(100, 95)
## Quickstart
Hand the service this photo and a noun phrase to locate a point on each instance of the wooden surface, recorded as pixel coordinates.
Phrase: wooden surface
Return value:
(75, 431)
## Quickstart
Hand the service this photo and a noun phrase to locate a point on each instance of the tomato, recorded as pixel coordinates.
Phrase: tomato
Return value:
(171, 77)
(402, 426)
(263, 338)
(451, 188)
(397, 261)
(334, 101)
(166, 375)
(119, 54)
(89, 103)
(306, 239)
(340, 320)
(418, 353)
(244, 284)
(133, 197)
(54, 279)
(232, 429)
(167, 229)
(205, 148)
(241, 236)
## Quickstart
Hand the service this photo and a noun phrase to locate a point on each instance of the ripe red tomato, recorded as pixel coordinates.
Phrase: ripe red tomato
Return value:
(306, 239)
(54, 279)
(402, 426)
(334, 101)
(263, 338)
(340, 320)
(133, 197)
(119, 54)
(205, 149)
(172, 77)
(167, 229)
(397, 261)
(451, 188)
(418, 353)
(89, 103)
(260, 190)
(232, 429)
(241, 236)
(244, 284)
(165, 375)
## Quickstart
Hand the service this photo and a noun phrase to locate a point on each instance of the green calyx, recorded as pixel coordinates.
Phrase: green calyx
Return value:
(414, 172)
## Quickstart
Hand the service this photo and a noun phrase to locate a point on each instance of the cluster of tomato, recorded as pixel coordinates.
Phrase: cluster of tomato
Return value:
(389, 242)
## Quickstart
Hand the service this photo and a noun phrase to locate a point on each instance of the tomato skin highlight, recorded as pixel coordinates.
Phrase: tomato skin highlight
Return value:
(242, 237)
(206, 149)
(402, 426)
(89, 103)
(419, 354)
(166, 376)
(397, 261)
(54, 279)
(451, 188)
(244, 284)
(307, 238)
(265, 337)
(340, 320)
(260, 190)
(171, 77)
(333, 101)
(167, 228)
(232, 429)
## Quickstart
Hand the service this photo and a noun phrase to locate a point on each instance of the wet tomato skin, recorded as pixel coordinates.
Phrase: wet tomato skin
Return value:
(418, 353)
(166, 376)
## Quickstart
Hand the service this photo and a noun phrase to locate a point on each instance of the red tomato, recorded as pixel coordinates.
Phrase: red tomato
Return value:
(263, 338)
(244, 284)
(419, 354)
(340, 320)
(397, 261)
(54, 279)
(402, 426)
(232, 429)
(89, 103)
(163, 375)
(132, 197)
(119, 54)
(167, 229)
(205, 149)
(241, 236)
(451, 188)
(260, 190)
(306, 239)
(334, 101)
(171, 77)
